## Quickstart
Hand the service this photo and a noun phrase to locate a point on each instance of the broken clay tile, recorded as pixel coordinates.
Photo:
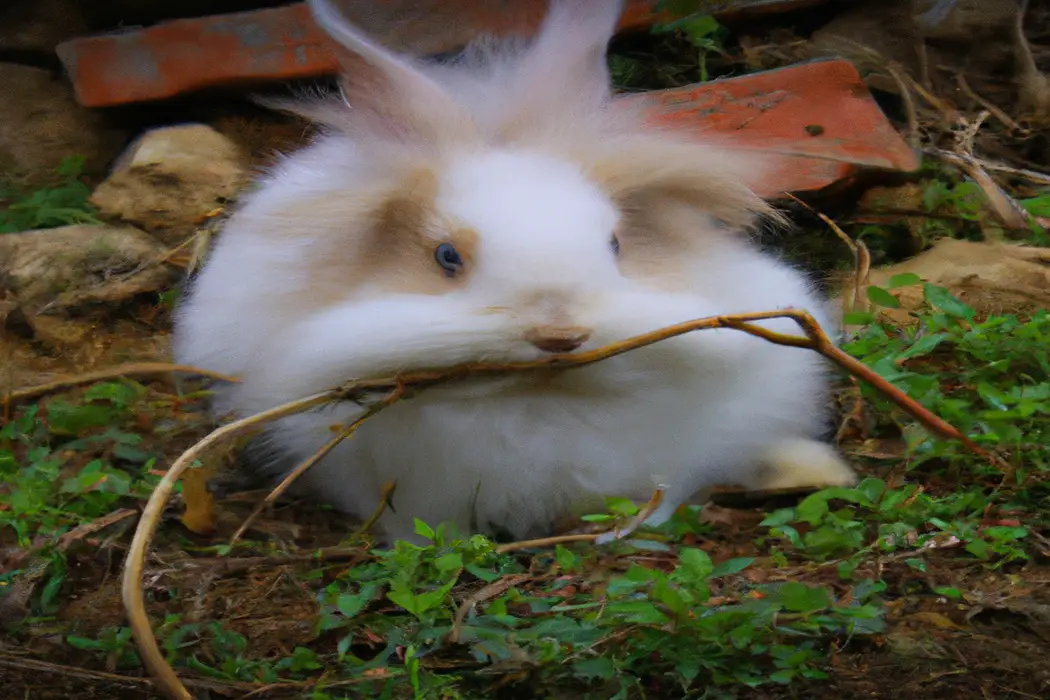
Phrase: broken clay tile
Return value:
(817, 120)
(283, 43)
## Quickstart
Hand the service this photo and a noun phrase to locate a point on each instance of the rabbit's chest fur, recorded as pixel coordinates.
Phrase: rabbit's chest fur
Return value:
(520, 460)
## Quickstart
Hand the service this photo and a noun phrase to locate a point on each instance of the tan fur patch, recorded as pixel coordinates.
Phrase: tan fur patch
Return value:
(395, 254)
(660, 240)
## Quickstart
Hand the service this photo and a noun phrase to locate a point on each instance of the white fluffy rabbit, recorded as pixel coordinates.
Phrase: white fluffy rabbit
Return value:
(506, 207)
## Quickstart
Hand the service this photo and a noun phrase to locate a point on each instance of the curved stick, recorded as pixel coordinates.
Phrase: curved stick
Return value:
(401, 386)
(129, 370)
(131, 586)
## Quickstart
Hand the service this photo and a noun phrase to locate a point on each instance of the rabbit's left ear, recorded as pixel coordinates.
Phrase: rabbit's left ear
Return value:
(565, 64)
(388, 94)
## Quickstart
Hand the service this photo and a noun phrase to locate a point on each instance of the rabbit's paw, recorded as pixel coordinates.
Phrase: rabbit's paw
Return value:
(802, 463)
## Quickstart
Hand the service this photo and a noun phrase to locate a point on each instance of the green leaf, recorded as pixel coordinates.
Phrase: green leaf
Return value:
(418, 603)
(117, 393)
(449, 562)
(85, 643)
(485, 575)
(64, 418)
(698, 27)
(798, 597)
(943, 300)
(349, 604)
(621, 506)
(694, 564)
(732, 566)
(567, 560)
(779, 517)
(424, 530)
(923, 345)
(948, 592)
(905, 279)
(858, 318)
(598, 667)
(879, 296)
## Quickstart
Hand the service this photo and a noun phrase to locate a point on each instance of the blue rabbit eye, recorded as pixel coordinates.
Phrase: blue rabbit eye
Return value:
(448, 258)
(615, 244)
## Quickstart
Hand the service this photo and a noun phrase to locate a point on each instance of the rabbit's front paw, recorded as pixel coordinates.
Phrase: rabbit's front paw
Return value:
(802, 463)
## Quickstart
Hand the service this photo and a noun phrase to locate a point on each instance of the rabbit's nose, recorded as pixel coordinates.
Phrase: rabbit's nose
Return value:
(557, 339)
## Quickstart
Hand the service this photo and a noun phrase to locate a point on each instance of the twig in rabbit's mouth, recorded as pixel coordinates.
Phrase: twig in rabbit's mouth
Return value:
(407, 384)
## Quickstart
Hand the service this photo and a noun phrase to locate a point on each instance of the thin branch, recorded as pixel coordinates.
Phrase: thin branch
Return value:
(964, 138)
(138, 369)
(861, 260)
(224, 566)
(910, 111)
(618, 533)
(490, 591)
(316, 457)
(385, 494)
(991, 108)
(1032, 175)
(1008, 212)
(413, 382)
(37, 666)
(131, 589)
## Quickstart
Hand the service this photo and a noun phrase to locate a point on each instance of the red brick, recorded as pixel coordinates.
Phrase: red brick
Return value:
(284, 43)
(817, 118)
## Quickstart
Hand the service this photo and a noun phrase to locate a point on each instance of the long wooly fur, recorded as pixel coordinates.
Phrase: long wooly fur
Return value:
(566, 211)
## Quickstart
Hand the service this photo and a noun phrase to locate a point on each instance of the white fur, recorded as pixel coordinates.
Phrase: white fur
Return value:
(711, 407)
(688, 413)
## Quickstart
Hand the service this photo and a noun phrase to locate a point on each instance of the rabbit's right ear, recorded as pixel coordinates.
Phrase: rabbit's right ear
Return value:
(565, 69)
(386, 93)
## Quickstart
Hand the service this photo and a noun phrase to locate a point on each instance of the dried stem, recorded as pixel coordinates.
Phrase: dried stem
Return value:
(385, 494)
(991, 108)
(137, 369)
(1003, 206)
(617, 533)
(490, 591)
(134, 603)
(412, 382)
(861, 260)
(316, 457)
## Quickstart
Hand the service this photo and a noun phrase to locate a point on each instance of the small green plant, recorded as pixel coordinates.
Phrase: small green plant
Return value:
(64, 464)
(114, 642)
(964, 202)
(699, 28)
(63, 204)
(990, 377)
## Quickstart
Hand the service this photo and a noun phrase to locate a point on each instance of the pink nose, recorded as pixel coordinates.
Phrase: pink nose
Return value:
(558, 339)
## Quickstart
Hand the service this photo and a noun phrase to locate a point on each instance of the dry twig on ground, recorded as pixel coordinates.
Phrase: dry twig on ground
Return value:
(138, 369)
(861, 262)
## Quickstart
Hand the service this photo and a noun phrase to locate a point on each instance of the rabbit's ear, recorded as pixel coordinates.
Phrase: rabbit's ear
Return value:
(565, 65)
(386, 92)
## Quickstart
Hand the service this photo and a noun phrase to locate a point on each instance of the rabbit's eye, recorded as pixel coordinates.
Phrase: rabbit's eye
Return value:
(448, 258)
(615, 245)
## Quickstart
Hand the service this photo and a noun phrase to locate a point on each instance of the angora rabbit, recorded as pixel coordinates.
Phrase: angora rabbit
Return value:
(504, 207)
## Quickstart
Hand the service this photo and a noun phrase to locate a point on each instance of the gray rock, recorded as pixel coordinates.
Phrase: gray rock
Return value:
(75, 266)
(168, 179)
